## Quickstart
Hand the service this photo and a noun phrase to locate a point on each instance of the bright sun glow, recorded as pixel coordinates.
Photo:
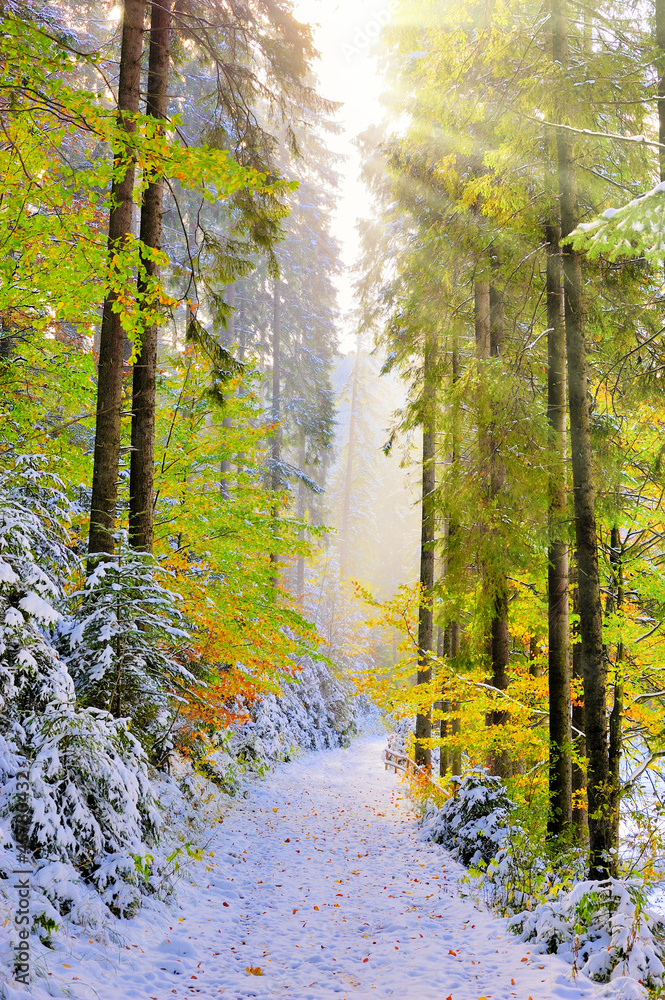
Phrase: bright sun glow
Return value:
(345, 34)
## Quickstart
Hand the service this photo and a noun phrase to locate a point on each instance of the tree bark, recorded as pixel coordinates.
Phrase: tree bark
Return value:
(489, 334)
(423, 755)
(660, 68)
(144, 377)
(591, 620)
(560, 769)
(110, 371)
(500, 633)
(579, 810)
(453, 529)
(227, 339)
(615, 602)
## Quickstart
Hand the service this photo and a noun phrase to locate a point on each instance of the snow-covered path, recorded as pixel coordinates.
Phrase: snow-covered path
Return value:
(319, 881)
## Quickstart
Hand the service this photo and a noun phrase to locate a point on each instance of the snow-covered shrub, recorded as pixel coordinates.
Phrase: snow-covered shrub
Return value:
(120, 644)
(472, 823)
(528, 869)
(74, 781)
(603, 929)
(316, 710)
(88, 792)
(33, 555)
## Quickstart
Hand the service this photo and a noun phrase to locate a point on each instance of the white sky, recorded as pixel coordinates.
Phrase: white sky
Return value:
(345, 33)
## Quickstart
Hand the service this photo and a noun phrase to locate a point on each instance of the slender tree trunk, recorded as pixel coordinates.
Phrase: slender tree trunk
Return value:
(591, 619)
(453, 530)
(228, 338)
(144, 377)
(482, 319)
(348, 478)
(423, 755)
(500, 633)
(660, 68)
(276, 450)
(444, 705)
(489, 332)
(560, 771)
(6, 340)
(109, 376)
(615, 602)
(579, 811)
(456, 763)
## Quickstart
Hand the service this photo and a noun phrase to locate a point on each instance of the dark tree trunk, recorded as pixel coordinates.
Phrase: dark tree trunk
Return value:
(615, 602)
(489, 333)
(109, 377)
(453, 630)
(456, 724)
(227, 340)
(144, 379)
(579, 811)
(482, 319)
(348, 478)
(591, 618)
(6, 340)
(444, 706)
(560, 772)
(500, 633)
(660, 68)
(423, 755)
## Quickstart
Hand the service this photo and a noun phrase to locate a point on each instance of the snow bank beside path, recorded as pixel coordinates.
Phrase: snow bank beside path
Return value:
(316, 886)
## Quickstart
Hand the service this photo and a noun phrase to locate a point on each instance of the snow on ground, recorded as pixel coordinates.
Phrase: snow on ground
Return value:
(316, 886)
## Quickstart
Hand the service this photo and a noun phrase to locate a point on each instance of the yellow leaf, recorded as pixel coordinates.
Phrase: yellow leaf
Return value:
(254, 971)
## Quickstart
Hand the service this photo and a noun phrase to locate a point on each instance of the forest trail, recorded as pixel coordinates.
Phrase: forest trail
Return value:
(319, 880)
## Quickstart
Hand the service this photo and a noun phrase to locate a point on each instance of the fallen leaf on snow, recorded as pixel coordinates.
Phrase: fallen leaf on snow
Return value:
(254, 970)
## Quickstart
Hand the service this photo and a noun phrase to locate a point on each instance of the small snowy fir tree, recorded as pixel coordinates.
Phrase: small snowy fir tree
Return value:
(122, 641)
(314, 711)
(75, 789)
(604, 929)
(472, 824)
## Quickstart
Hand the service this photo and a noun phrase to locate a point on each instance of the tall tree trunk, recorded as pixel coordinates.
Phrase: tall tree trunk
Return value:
(453, 529)
(660, 68)
(560, 770)
(614, 603)
(489, 333)
(109, 376)
(591, 619)
(348, 478)
(227, 339)
(500, 633)
(144, 378)
(276, 449)
(423, 755)
(579, 810)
